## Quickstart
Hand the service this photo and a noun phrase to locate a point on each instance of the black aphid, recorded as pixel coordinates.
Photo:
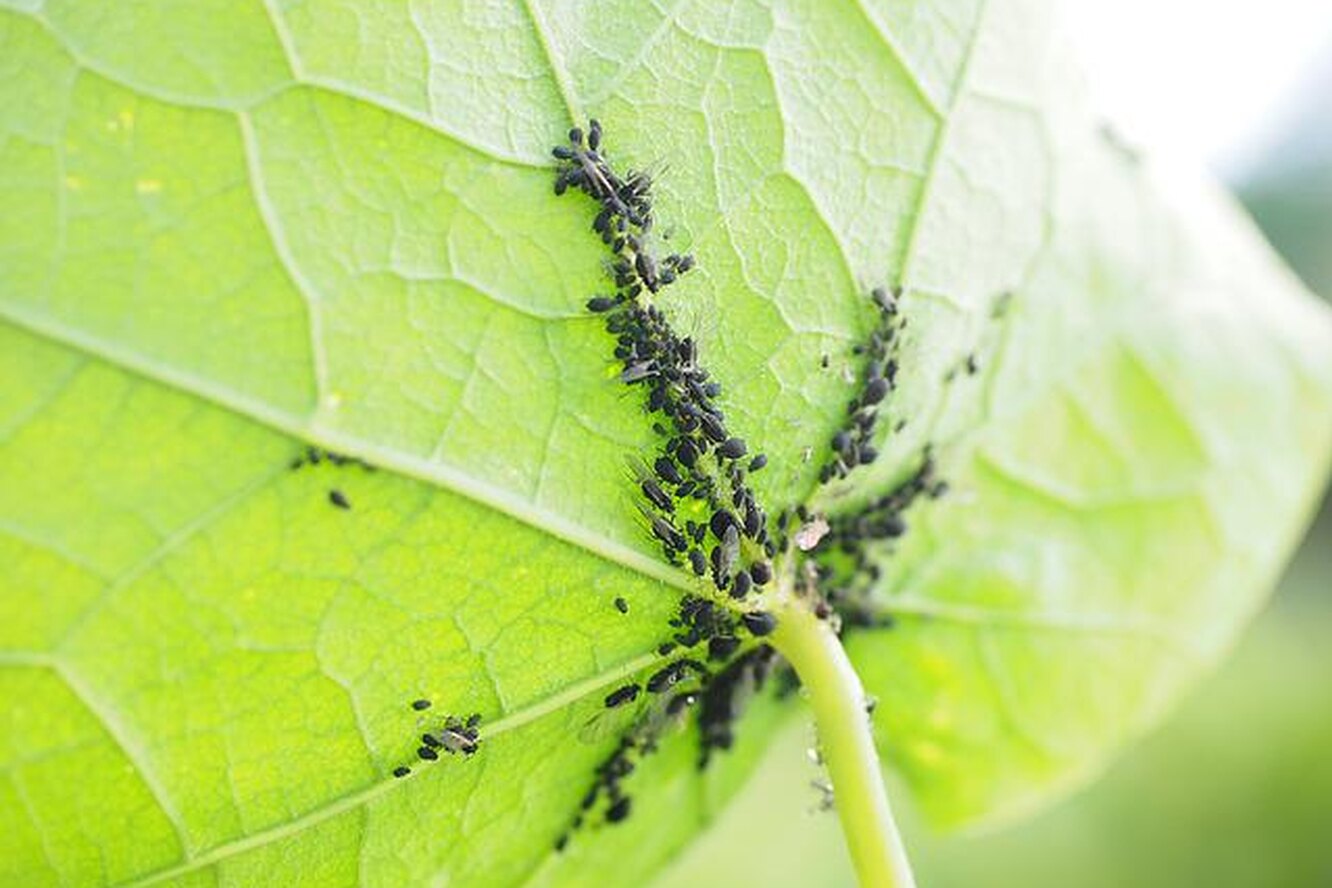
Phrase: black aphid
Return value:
(420, 705)
(760, 572)
(337, 498)
(618, 810)
(401, 771)
(698, 562)
(758, 462)
(712, 427)
(656, 495)
(732, 448)
(740, 587)
(620, 696)
(602, 303)
(667, 471)
(458, 739)
(427, 753)
(621, 605)
(874, 391)
(721, 647)
(720, 521)
(668, 676)
(671, 538)
(759, 622)
(725, 556)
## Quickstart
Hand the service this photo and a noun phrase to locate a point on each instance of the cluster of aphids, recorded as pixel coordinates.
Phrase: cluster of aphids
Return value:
(455, 736)
(313, 456)
(721, 696)
(699, 621)
(852, 445)
(695, 498)
(696, 502)
(884, 518)
(722, 700)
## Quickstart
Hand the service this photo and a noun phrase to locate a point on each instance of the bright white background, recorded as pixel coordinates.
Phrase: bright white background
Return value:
(1205, 80)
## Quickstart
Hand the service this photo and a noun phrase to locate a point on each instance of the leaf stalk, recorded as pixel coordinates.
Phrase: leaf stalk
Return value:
(846, 744)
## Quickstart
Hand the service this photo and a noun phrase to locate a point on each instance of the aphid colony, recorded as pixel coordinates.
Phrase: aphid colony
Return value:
(454, 735)
(696, 503)
(845, 572)
(852, 445)
(720, 697)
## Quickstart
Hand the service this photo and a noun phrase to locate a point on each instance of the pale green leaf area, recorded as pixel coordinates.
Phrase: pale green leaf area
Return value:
(235, 227)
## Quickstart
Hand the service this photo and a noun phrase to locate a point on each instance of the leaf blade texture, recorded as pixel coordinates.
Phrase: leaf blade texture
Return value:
(229, 230)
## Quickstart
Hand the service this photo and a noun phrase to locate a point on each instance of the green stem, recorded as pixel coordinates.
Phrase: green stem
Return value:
(846, 744)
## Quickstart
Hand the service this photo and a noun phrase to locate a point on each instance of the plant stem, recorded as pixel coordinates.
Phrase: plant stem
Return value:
(846, 744)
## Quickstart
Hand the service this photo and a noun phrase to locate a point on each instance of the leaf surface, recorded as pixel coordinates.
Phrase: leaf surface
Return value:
(231, 229)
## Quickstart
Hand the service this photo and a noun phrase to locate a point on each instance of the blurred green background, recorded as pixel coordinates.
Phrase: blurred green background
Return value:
(1234, 790)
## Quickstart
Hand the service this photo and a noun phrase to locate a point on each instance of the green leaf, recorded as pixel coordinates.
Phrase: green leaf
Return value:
(228, 229)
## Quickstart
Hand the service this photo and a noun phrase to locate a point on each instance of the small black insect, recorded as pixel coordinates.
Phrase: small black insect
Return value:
(458, 739)
(666, 470)
(740, 588)
(621, 605)
(712, 427)
(725, 555)
(671, 537)
(759, 622)
(760, 572)
(602, 303)
(721, 519)
(753, 520)
(721, 647)
(620, 696)
(638, 371)
(732, 448)
(421, 704)
(647, 270)
(874, 391)
(687, 453)
(698, 562)
(618, 811)
(656, 495)
(427, 753)
(886, 301)
(401, 771)
(668, 676)
(758, 462)
(337, 498)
